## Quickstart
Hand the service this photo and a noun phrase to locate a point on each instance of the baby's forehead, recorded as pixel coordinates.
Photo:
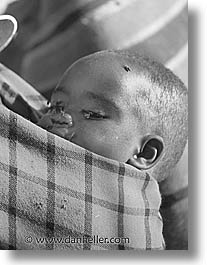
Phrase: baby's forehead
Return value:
(103, 74)
(101, 69)
(98, 66)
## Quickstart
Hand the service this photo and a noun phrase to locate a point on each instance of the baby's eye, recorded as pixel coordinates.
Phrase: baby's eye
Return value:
(91, 115)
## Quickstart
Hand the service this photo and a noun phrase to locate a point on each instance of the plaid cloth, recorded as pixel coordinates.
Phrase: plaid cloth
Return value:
(53, 192)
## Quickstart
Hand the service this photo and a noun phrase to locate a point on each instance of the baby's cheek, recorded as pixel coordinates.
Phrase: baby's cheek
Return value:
(118, 145)
(110, 145)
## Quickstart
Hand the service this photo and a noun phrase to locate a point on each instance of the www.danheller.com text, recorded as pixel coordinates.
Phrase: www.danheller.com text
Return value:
(77, 240)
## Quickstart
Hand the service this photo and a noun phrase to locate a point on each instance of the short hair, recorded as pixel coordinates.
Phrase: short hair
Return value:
(162, 106)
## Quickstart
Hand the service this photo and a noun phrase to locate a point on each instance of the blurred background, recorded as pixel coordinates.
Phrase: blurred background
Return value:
(53, 34)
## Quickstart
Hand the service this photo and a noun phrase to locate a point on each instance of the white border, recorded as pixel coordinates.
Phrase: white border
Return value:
(199, 256)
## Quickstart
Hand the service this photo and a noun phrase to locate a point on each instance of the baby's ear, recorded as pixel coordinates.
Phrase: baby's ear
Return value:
(150, 152)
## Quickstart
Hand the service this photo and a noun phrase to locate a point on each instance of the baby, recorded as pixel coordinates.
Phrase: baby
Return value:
(125, 107)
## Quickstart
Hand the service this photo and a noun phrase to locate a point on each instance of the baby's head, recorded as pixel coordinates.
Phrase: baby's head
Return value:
(124, 107)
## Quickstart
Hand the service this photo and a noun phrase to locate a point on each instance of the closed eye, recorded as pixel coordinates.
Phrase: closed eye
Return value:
(91, 115)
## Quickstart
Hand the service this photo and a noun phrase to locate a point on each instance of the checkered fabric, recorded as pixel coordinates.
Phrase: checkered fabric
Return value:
(54, 193)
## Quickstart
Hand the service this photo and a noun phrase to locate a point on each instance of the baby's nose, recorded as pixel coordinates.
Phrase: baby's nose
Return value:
(62, 118)
(56, 119)
(68, 119)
